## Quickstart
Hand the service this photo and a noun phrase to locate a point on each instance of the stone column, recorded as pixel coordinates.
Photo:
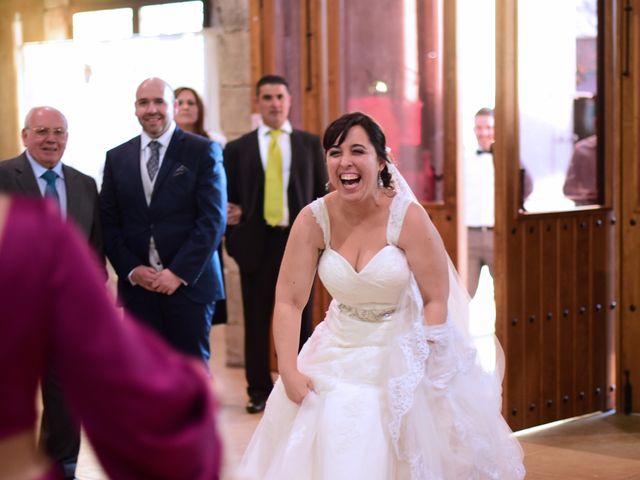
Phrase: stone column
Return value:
(56, 20)
(230, 24)
(10, 131)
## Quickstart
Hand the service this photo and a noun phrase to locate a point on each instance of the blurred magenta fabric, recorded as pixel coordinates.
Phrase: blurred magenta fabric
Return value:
(147, 410)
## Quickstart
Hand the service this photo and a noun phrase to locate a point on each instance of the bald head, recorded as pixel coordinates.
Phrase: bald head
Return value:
(154, 106)
(39, 111)
(45, 135)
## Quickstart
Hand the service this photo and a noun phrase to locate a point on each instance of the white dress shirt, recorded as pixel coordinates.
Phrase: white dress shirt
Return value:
(479, 189)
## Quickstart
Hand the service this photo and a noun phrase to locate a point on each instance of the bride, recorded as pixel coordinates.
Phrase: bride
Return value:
(389, 386)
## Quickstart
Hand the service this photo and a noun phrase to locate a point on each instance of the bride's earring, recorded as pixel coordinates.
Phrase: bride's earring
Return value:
(380, 182)
(327, 186)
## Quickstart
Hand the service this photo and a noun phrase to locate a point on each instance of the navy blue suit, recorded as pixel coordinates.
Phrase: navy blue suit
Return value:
(186, 216)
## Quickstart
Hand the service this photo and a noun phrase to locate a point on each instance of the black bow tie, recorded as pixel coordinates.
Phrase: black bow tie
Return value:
(480, 152)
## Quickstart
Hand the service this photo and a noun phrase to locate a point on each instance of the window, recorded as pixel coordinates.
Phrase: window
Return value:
(111, 24)
(557, 70)
(171, 18)
(151, 20)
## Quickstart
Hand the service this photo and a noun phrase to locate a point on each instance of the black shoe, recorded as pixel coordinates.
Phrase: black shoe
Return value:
(256, 405)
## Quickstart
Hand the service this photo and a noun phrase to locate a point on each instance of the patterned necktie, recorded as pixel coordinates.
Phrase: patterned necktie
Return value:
(273, 189)
(50, 190)
(153, 164)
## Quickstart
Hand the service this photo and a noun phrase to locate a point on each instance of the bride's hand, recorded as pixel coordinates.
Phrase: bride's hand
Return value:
(297, 386)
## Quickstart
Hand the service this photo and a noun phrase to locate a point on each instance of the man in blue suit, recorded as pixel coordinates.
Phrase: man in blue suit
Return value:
(163, 208)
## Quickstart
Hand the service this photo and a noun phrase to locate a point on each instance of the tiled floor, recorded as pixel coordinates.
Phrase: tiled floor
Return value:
(599, 447)
(604, 446)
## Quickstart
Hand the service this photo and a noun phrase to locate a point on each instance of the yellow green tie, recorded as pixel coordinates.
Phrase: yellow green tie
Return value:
(273, 190)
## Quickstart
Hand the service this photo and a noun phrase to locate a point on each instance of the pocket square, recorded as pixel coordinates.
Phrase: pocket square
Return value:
(180, 170)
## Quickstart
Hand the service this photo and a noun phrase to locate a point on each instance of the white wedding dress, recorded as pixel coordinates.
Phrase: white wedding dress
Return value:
(392, 399)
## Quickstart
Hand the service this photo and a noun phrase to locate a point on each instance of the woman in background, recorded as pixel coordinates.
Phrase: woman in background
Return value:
(189, 116)
(147, 410)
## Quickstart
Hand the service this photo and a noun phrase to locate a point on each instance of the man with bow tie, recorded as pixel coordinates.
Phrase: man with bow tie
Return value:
(163, 205)
(479, 199)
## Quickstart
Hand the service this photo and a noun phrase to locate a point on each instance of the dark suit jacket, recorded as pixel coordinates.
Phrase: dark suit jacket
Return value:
(308, 177)
(186, 217)
(16, 176)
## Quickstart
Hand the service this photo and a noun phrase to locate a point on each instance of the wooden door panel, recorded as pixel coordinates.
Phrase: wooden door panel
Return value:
(443, 217)
(566, 268)
(549, 323)
(534, 345)
(515, 378)
(629, 220)
(582, 355)
(599, 309)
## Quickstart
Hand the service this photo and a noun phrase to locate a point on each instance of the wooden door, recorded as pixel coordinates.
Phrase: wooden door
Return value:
(556, 297)
(629, 359)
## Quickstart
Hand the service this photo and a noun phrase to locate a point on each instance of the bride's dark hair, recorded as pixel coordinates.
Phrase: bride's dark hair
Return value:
(337, 131)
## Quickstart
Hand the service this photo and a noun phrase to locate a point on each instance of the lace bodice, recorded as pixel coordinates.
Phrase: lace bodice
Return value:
(380, 283)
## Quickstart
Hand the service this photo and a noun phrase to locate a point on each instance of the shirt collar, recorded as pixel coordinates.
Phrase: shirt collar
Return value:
(38, 169)
(264, 130)
(163, 139)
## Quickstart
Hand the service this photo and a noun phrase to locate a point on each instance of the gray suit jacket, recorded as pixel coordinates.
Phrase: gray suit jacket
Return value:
(17, 177)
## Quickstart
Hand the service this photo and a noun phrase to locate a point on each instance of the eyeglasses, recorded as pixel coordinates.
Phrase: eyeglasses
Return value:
(45, 131)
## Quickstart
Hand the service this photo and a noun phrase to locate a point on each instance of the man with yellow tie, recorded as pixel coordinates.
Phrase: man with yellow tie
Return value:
(272, 173)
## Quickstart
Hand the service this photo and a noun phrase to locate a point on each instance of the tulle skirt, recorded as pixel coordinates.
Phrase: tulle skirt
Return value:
(449, 427)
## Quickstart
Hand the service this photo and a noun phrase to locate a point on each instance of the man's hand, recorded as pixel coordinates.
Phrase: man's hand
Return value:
(144, 276)
(166, 282)
(234, 214)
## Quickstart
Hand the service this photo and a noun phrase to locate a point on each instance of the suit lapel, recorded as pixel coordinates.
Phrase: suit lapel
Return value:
(132, 168)
(174, 152)
(76, 207)
(297, 160)
(255, 159)
(254, 164)
(73, 196)
(25, 178)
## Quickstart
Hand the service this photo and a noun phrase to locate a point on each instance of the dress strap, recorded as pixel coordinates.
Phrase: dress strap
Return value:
(397, 211)
(321, 215)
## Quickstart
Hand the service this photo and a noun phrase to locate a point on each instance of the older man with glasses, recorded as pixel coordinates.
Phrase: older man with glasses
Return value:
(38, 171)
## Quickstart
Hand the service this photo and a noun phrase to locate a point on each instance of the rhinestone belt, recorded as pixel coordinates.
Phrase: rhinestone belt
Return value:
(366, 315)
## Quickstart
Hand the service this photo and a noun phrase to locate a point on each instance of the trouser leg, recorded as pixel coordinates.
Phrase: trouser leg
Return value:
(60, 434)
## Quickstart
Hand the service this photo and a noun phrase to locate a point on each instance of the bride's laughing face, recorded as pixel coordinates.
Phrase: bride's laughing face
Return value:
(353, 165)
